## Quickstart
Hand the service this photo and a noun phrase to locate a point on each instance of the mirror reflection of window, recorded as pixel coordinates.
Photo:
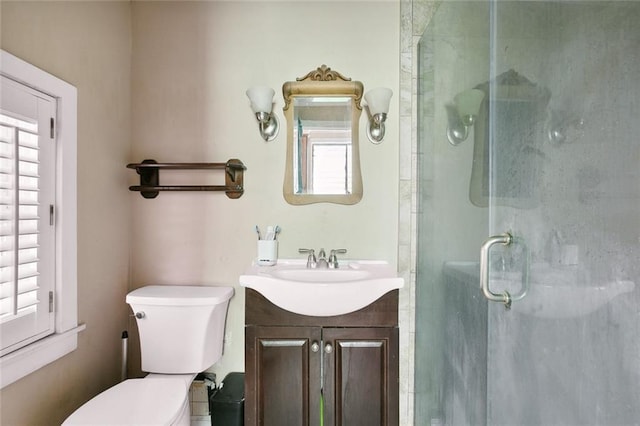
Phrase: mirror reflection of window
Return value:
(322, 152)
(327, 165)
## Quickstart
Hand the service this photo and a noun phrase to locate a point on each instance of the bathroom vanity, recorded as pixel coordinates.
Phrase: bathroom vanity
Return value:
(329, 370)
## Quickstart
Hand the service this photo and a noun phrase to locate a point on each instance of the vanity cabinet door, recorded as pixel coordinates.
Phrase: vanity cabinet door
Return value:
(361, 376)
(282, 385)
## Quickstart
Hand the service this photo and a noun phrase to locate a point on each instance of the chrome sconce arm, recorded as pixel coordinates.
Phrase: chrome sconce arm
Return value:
(378, 105)
(262, 105)
(463, 114)
(457, 130)
(561, 124)
(375, 129)
(268, 125)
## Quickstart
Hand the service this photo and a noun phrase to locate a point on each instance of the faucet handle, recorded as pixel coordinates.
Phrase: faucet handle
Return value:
(311, 260)
(333, 259)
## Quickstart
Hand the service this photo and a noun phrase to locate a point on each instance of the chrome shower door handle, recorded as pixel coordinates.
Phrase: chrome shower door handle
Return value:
(504, 297)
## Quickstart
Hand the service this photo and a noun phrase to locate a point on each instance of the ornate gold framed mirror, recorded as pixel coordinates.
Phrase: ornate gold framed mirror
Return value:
(510, 138)
(323, 160)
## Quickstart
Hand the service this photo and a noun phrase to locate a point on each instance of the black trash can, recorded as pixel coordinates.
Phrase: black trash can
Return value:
(227, 402)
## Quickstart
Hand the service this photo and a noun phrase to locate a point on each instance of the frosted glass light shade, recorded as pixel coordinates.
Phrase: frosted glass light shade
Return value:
(261, 98)
(378, 100)
(468, 102)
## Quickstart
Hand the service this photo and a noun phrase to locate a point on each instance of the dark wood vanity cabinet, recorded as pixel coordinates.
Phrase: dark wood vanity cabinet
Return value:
(282, 376)
(343, 368)
(360, 366)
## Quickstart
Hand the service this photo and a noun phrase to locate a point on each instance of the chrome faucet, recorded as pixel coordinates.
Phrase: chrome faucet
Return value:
(322, 260)
(333, 259)
(311, 260)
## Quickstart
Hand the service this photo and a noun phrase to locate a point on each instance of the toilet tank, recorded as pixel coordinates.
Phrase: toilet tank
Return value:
(181, 327)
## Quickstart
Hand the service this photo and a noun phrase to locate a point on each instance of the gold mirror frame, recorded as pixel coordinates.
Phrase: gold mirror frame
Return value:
(520, 108)
(323, 82)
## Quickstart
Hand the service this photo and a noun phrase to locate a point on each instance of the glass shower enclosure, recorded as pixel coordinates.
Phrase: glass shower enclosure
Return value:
(528, 266)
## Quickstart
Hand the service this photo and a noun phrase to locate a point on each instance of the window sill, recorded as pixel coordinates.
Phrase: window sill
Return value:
(22, 362)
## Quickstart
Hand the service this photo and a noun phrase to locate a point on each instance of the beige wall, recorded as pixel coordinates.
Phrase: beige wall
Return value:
(185, 67)
(88, 45)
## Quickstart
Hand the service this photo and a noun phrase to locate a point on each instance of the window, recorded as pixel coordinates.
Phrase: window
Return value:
(27, 203)
(38, 254)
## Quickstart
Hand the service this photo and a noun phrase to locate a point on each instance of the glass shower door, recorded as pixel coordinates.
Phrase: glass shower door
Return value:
(556, 160)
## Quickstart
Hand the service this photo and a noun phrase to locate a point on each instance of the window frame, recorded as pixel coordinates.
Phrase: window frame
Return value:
(17, 364)
(32, 111)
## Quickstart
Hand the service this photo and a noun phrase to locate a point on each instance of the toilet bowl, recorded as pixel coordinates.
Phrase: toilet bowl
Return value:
(181, 334)
(160, 401)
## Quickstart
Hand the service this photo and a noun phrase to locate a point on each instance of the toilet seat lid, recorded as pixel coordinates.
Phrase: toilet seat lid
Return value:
(157, 401)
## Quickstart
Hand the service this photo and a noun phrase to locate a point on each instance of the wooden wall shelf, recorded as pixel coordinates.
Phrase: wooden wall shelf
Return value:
(149, 171)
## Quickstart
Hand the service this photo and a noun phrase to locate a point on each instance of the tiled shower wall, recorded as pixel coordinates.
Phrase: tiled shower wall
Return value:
(414, 15)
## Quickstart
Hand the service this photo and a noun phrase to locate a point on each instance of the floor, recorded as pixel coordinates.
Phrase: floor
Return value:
(200, 420)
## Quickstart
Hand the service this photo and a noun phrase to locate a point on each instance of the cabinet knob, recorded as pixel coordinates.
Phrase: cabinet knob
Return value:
(328, 348)
(315, 347)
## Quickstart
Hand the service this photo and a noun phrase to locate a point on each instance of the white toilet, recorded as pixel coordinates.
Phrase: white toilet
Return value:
(181, 334)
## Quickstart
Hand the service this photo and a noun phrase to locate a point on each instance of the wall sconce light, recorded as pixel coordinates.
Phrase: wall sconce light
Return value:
(378, 101)
(462, 114)
(262, 105)
(561, 124)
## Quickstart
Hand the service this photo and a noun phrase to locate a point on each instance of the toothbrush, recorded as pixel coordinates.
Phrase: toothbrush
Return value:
(258, 232)
(270, 234)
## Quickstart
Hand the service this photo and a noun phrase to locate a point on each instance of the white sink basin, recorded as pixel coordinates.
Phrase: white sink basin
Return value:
(554, 292)
(322, 292)
(320, 275)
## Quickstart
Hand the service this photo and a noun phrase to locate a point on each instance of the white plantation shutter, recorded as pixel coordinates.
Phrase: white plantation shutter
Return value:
(27, 200)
